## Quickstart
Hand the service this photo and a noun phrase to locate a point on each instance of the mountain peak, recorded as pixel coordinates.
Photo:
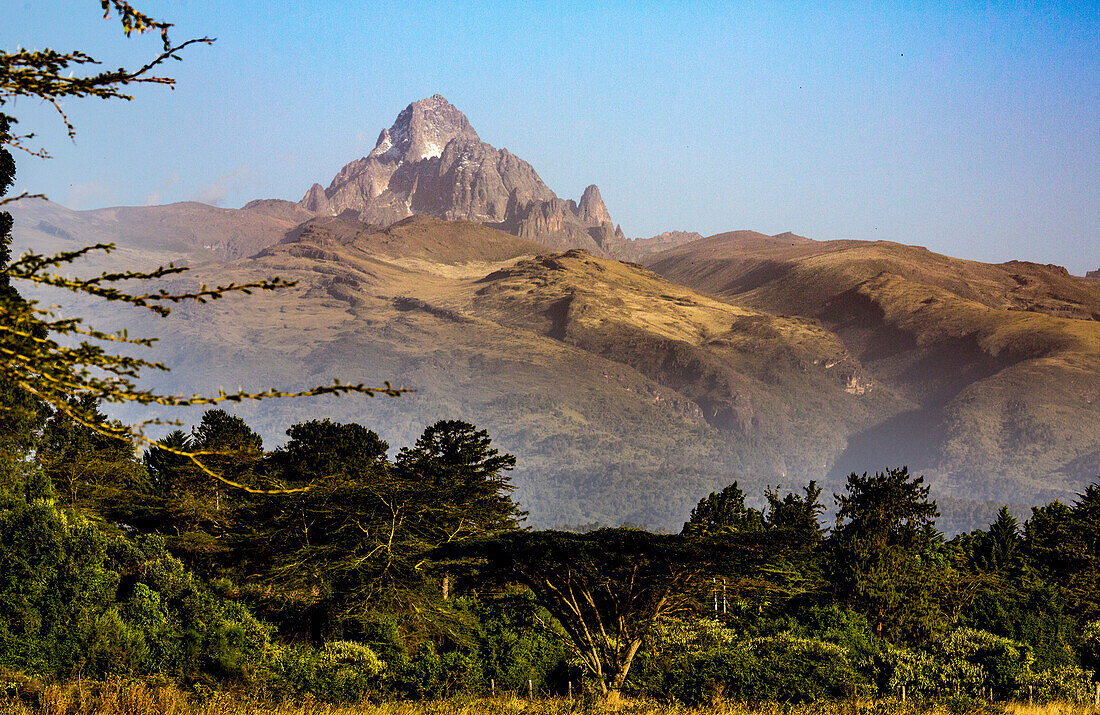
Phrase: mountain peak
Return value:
(592, 208)
(422, 130)
(431, 161)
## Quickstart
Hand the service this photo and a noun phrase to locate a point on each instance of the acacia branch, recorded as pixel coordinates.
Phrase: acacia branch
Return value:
(25, 194)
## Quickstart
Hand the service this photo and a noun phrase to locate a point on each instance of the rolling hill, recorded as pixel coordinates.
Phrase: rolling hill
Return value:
(627, 396)
(999, 364)
(487, 329)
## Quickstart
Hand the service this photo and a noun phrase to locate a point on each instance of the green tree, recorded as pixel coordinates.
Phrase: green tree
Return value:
(1063, 543)
(796, 519)
(170, 471)
(89, 470)
(723, 512)
(1000, 547)
(455, 462)
(231, 448)
(346, 538)
(359, 537)
(321, 448)
(608, 587)
(798, 514)
(995, 588)
(324, 541)
(197, 515)
(884, 559)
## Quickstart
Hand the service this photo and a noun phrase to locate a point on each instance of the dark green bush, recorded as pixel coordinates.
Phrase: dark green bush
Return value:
(423, 676)
(797, 670)
(76, 597)
(710, 676)
(701, 661)
(515, 645)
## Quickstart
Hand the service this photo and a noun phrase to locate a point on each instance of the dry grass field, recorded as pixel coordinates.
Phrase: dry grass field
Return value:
(118, 696)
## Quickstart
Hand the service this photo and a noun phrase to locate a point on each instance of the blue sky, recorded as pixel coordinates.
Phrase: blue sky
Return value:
(970, 128)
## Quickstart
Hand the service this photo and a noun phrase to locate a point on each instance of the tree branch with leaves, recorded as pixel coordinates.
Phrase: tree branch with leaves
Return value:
(47, 360)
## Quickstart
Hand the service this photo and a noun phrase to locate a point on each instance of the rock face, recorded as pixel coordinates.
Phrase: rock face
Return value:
(1093, 274)
(591, 207)
(431, 161)
(639, 248)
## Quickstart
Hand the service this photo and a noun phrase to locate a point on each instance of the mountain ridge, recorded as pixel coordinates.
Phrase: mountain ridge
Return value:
(990, 356)
(626, 395)
(627, 388)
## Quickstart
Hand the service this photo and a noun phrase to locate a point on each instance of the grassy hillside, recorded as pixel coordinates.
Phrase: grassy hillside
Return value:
(1001, 363)
(624, 394)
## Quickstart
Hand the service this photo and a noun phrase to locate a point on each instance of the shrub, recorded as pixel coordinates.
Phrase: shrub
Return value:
(340, 672)
(896, 667)
(423, 676)
(514, 645)
(968, 661)
(670, 645)
(1062, 682)
(76, 598)
(843, 627)
(973, 659)
(1090, 648)
(796, 670)
(701, 661)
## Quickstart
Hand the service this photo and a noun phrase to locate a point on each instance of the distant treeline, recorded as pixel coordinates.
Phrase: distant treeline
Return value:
(338, 570)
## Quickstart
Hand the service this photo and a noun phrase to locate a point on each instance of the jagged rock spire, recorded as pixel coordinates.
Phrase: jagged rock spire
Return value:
(591, 207)
(431, 161)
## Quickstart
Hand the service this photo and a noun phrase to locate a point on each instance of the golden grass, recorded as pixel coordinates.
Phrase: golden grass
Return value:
(117, 696)
(1058, 708)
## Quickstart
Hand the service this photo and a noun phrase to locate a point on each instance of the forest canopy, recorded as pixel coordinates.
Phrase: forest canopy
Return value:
(408, 573)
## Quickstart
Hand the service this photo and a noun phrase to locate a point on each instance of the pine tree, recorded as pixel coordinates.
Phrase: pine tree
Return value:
(723, 512)
(884, 559)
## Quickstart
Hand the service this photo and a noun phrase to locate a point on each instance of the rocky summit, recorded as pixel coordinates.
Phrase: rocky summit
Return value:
(431, 161)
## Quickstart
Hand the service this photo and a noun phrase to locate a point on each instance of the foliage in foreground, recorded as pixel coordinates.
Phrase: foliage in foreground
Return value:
(368, 585)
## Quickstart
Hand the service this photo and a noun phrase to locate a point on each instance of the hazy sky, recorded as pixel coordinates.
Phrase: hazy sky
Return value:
(970, 128)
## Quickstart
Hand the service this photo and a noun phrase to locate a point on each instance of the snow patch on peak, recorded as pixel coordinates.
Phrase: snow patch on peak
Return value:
(431, 150)
(422, 131)
(385, 143)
